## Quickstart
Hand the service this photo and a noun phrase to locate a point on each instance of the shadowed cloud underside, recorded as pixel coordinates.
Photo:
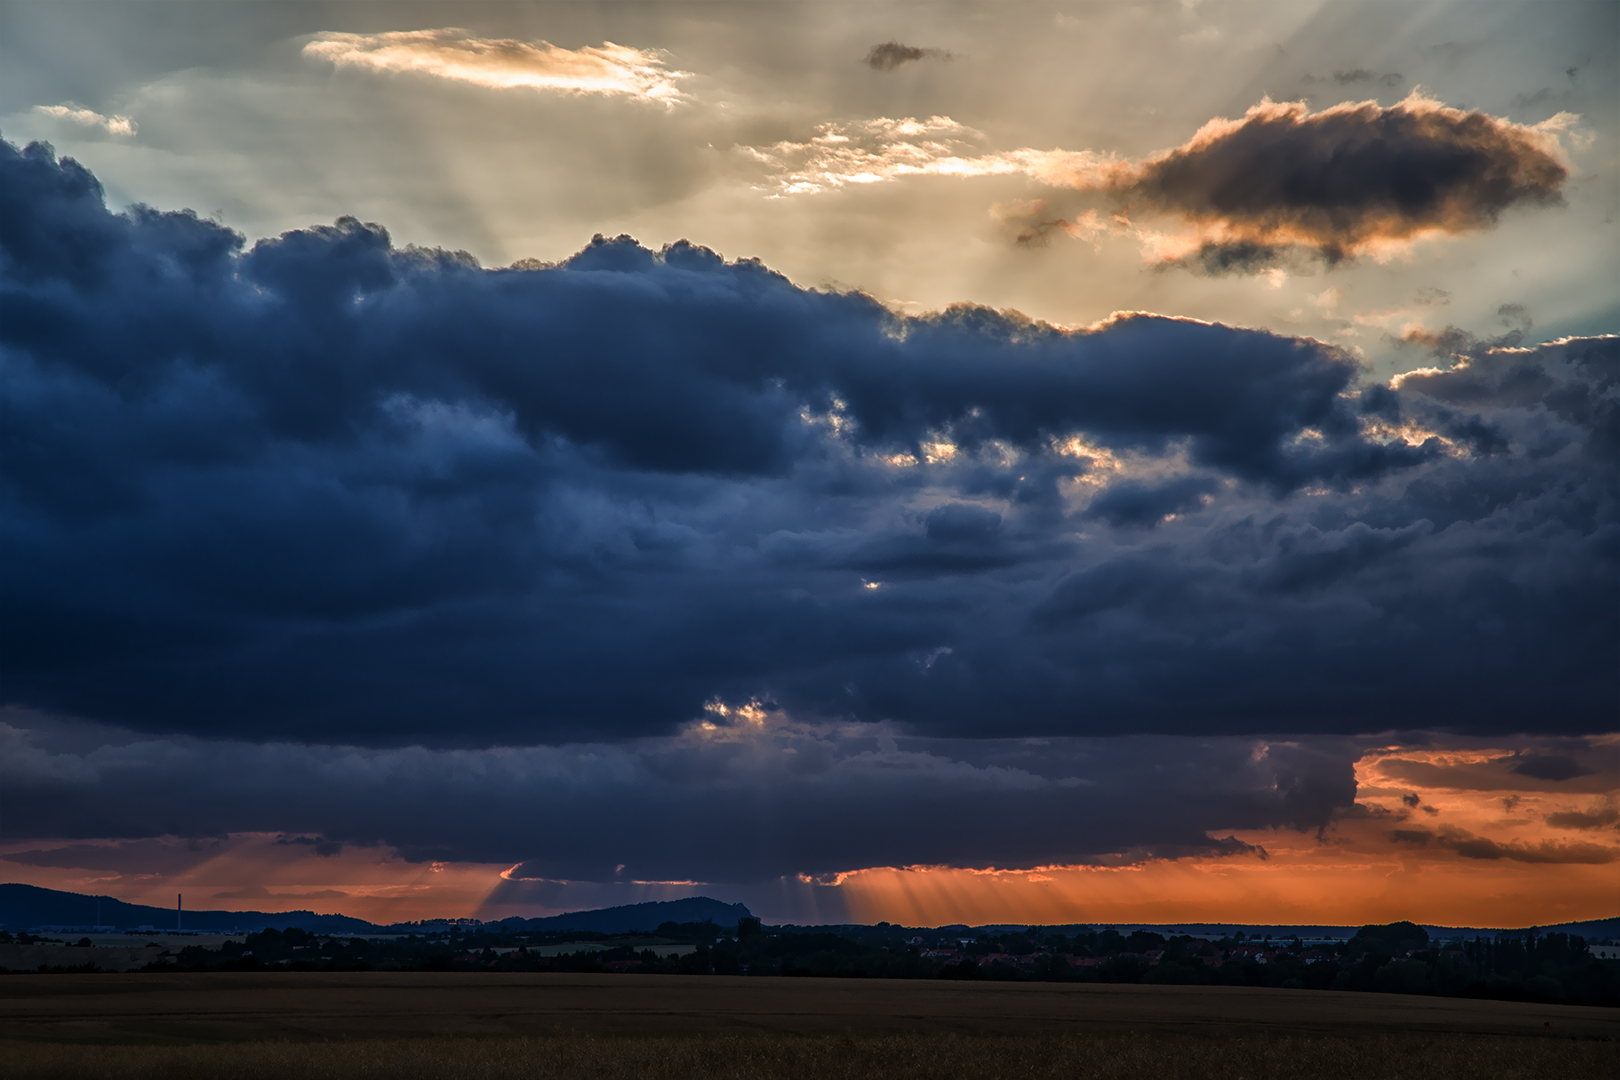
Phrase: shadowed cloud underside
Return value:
(327, 488)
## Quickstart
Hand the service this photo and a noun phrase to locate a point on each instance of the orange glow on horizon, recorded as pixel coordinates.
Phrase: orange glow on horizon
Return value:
(1303, 887)
(1444, 837)
(264, 872)
(1455, 837)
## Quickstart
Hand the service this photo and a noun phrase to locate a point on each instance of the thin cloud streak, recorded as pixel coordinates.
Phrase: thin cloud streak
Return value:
(506, 64)
(872, 151)
(112, 125)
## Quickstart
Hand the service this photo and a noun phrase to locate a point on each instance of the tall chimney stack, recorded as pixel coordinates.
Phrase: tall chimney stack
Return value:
(179, 906)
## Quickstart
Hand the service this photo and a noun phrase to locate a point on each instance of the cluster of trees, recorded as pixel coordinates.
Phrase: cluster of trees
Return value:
(302, 950)
(1397, 957)
(1393, 958)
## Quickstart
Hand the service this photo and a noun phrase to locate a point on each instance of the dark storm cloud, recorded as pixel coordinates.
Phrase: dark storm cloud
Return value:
(323, 488)
(1344, 179)
(747, 796)
(891, 54)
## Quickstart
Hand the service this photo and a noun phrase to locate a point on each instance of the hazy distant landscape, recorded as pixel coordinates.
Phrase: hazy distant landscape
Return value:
(1551, 965)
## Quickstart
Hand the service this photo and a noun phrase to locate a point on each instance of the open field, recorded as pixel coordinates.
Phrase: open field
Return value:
(835, 1057)
(126, 955)
(254, 1025)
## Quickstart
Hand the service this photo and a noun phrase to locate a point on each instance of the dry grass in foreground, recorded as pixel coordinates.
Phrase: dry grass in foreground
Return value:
(779, 1057)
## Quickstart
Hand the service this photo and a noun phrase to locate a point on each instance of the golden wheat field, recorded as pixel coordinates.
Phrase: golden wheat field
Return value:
(560, 1027)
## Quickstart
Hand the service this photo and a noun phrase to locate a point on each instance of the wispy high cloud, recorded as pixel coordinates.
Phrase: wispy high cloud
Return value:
(872, 151)
(506, 64)
(75, 114)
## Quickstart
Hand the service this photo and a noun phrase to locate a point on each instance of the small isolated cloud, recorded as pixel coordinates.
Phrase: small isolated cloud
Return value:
(1603, 816)
(1037, 221)
(74, 114)
(1455, 341)
(1356, 178)
(1231, 258)
(891, 54)
(505, 64)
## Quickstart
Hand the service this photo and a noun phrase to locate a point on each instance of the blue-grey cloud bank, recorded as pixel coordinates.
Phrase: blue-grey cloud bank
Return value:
(322, 488)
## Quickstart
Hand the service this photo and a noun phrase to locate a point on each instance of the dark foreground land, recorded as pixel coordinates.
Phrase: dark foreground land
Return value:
(564, 1026)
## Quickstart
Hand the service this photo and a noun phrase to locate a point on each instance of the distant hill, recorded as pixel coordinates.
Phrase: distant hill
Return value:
(632, 917)
(23, 907)
(1599, 929)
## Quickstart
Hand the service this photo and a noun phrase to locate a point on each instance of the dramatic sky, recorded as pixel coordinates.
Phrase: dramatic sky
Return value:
(974, 462)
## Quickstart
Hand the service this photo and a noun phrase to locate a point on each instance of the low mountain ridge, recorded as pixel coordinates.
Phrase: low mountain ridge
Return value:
(28, 907)
(628, 918)
(24, 907)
